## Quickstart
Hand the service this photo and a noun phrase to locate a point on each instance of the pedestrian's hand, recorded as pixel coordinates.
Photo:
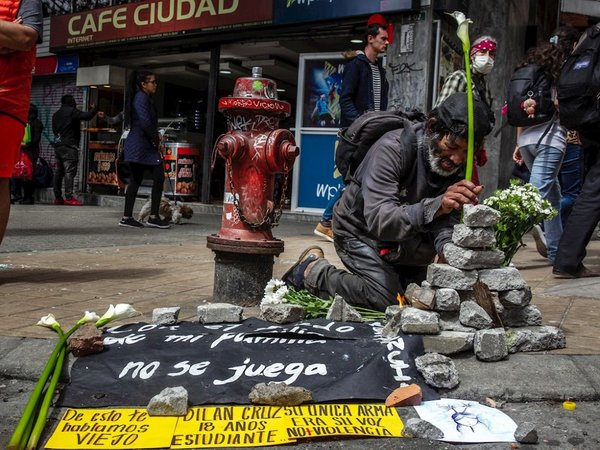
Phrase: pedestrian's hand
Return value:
(461, 193)
(101, 115)
(517, 158)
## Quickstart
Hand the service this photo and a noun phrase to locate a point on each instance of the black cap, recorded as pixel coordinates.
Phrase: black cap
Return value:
(453, 113)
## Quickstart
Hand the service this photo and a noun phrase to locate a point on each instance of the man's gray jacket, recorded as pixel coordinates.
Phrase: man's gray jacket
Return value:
(392, 199)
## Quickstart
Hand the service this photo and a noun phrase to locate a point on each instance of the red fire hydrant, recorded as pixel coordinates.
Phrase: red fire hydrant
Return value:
(255, 150)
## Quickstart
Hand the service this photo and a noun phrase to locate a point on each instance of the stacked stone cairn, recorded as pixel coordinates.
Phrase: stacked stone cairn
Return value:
(474, 303)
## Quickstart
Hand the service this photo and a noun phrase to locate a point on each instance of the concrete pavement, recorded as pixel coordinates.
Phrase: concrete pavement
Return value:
(66, 260)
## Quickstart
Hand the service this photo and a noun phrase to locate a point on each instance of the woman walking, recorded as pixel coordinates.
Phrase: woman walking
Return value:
(141, 150)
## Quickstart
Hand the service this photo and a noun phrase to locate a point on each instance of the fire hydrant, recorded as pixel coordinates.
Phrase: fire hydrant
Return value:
(255, 150)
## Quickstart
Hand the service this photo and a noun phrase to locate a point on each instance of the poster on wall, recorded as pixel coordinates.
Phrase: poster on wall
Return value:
(318, 114)
(322, 89)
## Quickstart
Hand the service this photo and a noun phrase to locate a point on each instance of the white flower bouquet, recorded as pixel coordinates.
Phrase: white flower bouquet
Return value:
(520, 207)
(277, 292)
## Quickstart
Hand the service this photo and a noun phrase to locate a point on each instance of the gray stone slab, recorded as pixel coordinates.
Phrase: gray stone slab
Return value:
(469, 258)
(582, 287)
(27, 360)
(480, 216)
(446, 276)
(473, 237)
(590, 366)
(523, 377)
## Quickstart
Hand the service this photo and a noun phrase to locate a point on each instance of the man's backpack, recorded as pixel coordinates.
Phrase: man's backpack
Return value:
(578, 86)
(529, 97)
(356, 140)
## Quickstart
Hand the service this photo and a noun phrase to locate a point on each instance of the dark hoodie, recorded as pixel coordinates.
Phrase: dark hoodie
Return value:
(357, 89)
(36, 127)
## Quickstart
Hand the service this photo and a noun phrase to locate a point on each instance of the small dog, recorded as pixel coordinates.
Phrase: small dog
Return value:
(173, 211)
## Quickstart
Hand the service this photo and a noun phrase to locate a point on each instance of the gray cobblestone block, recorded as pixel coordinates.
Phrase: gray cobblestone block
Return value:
(446, 276)
(421, 429)
(480, 216)
(490, 345)
(468, 258)
(420, 297)
(516, 298)
(342, 311)
(165, 316)
(219, 313)
(282, 313)
(447, 300)
(417, 321)
(473, 237)
(535, 339)
(527, 316)
(526, 433)
(391, 311)
(448, 342)
(449, 321)
(171, 401)
(474, 316)
(438, 370)
(502, 279)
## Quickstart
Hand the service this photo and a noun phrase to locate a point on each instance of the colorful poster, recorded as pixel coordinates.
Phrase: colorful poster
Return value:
(322, 89)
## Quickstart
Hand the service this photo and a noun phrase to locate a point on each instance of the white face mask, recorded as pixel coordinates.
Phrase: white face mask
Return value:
(483, 64)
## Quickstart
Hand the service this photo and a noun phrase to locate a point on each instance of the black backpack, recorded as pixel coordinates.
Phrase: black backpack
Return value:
(578, 86)
(529, 97)
(356, 140)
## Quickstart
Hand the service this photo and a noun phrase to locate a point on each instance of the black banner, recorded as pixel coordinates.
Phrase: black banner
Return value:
(221, 363)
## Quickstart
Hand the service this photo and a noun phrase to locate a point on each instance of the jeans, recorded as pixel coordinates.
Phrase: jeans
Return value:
(67, 160)
(571, 179)
(544, 164)
(328, 213)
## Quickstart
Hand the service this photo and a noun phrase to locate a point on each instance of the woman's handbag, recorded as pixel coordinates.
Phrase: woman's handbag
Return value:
(23, 169)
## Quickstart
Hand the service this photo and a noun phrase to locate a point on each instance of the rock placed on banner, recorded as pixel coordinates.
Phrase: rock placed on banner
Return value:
(87, 340)
(410, 395)
(165, 316)
(342, 311)
(438, 370)
(279, 394)
(171, 401)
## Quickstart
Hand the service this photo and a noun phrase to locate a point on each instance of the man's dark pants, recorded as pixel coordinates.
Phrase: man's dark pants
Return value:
(370, 282)
(586, 211)
(67, 160)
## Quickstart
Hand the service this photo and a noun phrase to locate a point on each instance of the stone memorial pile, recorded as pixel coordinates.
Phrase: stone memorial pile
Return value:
(473, 302)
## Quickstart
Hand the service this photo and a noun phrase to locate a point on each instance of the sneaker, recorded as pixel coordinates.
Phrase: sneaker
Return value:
(295, 275)
(73, 202)
(540, 240)
(59, 201)
(157, 222)
(324, 230)
(130, 222)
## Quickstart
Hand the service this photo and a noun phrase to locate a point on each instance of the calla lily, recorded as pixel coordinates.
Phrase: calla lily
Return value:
(88, 317)
(49, 321)
(120, 311)
(463, 34)
(463, 25)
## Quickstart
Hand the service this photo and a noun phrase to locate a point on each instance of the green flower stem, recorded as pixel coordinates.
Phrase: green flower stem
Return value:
(466, 45)
(43, 414)
(27, 416)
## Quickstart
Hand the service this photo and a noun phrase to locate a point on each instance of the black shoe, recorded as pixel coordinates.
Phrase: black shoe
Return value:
(295, 275)
(130, 222)
(157, 222)
(581, 272)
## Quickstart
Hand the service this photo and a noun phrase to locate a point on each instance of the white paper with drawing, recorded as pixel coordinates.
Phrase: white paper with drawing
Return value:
(467, 421)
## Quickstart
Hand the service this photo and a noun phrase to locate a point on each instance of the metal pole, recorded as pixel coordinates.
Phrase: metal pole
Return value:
(211, 102)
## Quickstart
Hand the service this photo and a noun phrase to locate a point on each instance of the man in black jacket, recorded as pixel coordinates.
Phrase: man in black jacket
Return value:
(66, 127)
(398, 211)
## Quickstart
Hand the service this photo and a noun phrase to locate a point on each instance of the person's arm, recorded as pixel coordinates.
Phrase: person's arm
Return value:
(349, 88)
(84, 115)
(36, 133)
(17, 37)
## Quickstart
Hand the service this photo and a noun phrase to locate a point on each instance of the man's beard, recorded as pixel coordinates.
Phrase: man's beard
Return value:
(437, 161)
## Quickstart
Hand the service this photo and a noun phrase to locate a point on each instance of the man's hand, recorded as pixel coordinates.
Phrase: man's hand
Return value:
(462, 193)
(517, 158)
(101, 115)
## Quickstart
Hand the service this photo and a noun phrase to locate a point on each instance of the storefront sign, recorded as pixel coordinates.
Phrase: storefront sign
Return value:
(296, 11)
(50, 65)
(221, 363)
(224, 426)
(154, 19)
(102, 168)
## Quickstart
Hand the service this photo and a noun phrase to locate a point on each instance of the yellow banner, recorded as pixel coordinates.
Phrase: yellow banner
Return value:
(222, 426)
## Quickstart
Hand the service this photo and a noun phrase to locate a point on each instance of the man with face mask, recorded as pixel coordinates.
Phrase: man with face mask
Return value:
(398, 210)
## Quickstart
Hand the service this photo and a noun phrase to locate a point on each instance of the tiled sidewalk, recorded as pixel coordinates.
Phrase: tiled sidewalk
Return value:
(68, 282)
